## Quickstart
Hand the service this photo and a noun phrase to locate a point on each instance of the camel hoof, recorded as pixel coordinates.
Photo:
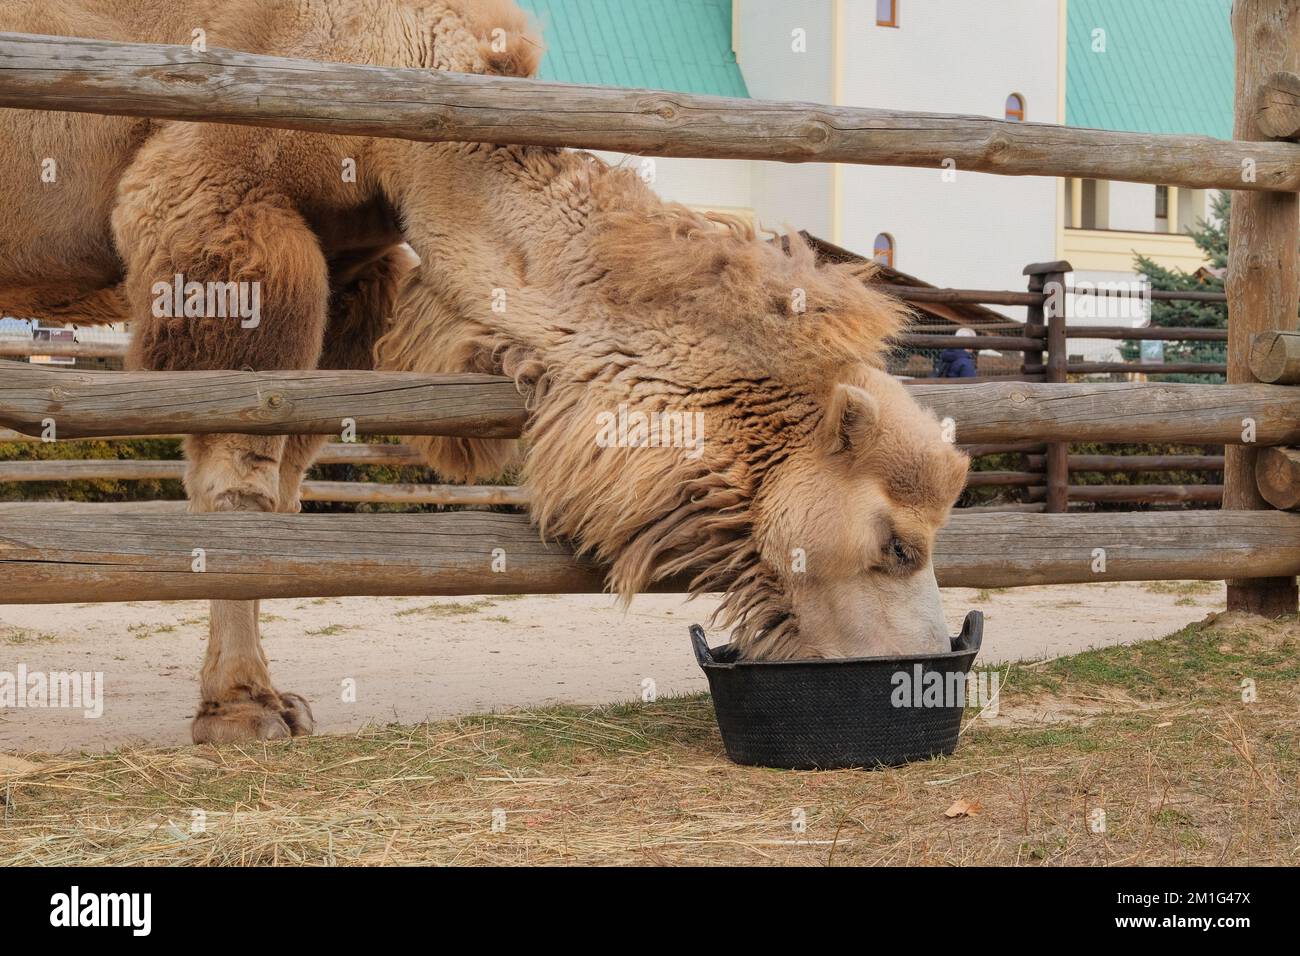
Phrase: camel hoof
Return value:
(239, 499)
(265, 715)
(297, 715)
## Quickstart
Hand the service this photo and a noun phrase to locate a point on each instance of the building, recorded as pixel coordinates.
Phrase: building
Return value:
(940, 224)
(1160, 66)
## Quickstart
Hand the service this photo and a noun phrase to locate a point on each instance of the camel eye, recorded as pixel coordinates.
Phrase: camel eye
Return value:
(902, 557)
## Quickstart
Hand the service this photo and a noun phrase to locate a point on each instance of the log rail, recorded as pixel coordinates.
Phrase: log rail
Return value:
(52, 557)
(225, 86)
(92, 404)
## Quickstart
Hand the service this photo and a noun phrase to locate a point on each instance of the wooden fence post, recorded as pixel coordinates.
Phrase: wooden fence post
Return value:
(1049, 277)
(1263, 263)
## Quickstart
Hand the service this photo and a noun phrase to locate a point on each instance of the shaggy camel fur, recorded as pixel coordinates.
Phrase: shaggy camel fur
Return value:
(820, 484)
(815, 494)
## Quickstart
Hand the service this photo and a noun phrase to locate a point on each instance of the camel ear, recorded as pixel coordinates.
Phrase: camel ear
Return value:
(851, 420)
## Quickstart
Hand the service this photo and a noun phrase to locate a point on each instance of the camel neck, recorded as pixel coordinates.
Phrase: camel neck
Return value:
(493, 220)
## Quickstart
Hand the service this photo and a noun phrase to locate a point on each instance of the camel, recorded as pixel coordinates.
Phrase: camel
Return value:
(814, 488)
(821, 483)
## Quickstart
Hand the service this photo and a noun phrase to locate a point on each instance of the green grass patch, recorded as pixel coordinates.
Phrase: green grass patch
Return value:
(1195, 660)
(454, 609)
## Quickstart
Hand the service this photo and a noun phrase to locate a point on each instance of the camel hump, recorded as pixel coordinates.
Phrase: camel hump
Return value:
(508, 42)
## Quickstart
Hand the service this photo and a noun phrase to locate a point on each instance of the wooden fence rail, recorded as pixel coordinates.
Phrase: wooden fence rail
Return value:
(1124, 494)
(950, 296)
(136, 469)
(1117, 412)
(1152, 333)
(57, 558)
(1149, 368)
(1127, 463)
(223, 86)
(1147, 494)
(389, 493)
(87, 404)
(32, 509)
(62, 470)
(921, 340)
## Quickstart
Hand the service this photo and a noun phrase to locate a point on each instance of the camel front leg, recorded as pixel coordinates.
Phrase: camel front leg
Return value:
(256, 473)
(299, 452)
(238, 700)
(224, 232)
(245, 473)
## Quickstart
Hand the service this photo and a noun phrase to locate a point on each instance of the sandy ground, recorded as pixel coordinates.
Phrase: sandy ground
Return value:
(410, 659)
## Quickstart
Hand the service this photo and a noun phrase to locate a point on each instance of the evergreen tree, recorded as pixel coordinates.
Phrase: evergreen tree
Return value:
(1211, 237)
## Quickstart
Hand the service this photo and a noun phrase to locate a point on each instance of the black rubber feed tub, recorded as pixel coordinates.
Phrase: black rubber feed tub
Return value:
(825, 714)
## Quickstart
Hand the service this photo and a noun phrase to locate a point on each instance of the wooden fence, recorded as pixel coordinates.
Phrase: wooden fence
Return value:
(1038, 474)
(1039, 467)
(1042, 341)
(121, 557)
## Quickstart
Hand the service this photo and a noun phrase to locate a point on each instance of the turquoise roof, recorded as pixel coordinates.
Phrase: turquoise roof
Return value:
(682, 45)
(1167, 67)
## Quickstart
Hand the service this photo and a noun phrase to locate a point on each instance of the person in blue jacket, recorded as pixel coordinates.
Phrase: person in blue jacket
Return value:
(955, 362)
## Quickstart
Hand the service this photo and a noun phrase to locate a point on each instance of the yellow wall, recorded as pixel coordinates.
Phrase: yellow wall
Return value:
(1106, 250)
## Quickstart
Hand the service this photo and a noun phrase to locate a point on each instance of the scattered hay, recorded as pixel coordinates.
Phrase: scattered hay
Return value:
(1182, 587)
(1184, 771)
(1044, 710)
(15, 766)
(448, 609)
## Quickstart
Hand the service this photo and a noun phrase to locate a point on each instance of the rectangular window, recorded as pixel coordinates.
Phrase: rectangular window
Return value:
(1089, 204)
(1095, 211)
(1162, 203)
(886, 13)
(1191, 208)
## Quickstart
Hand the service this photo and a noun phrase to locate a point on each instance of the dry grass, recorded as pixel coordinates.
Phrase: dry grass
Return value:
(1155, 735)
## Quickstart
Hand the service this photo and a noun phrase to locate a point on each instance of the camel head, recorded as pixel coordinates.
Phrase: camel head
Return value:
(820, 484)
(847, 522)
(706, 407)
